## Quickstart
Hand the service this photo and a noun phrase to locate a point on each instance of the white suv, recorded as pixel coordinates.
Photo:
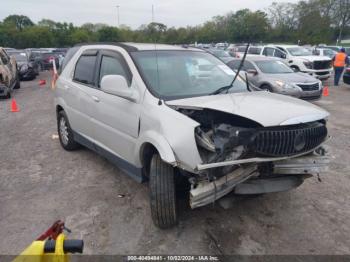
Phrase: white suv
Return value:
(301, 59)
(164, 112)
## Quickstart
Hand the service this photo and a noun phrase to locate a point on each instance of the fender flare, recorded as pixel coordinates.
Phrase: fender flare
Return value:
(160, 143)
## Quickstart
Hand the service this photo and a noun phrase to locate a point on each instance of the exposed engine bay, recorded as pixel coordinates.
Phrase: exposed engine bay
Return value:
(224, 138)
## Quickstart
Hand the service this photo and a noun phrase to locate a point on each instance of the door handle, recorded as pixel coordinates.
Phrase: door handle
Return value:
(95, 98)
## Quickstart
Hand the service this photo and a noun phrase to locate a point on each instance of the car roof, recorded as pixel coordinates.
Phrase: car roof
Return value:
(254, 58)
(129, 46)
(286, 46)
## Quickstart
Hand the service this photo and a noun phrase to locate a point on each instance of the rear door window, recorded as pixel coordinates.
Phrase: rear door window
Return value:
(279, 54)
(85, 70)
(268, 51)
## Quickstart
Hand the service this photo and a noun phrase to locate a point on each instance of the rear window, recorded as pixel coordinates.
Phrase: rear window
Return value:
(85, 69)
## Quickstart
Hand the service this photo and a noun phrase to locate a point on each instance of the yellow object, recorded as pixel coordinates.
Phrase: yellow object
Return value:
(35, 252)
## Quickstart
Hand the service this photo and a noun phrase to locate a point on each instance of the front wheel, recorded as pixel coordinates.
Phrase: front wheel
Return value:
(266, 88)
(65, 133)
(162, 193)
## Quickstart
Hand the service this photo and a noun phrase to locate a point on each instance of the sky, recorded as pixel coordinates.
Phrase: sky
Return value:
(132, 13)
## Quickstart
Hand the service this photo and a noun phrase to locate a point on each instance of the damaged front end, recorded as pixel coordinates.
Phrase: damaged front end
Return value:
(240, 155)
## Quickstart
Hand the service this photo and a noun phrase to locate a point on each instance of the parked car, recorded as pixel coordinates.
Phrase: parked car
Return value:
(221, 46)
(27, 70)
(221, 54)
(9, 79)
(346, 76)
(324, 52)
(275, 76)
(301, 59)
(144, 110)
(335, 48)
(45, 60)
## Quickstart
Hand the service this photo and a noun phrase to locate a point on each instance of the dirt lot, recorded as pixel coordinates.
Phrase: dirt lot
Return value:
(40, 183)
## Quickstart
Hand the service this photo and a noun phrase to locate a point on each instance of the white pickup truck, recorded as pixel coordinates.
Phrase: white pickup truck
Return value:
(301, 59)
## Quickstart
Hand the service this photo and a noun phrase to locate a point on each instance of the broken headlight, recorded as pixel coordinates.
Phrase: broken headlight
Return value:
(223, 142)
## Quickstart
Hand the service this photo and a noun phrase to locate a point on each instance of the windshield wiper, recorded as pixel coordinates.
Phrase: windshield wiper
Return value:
(226, 88)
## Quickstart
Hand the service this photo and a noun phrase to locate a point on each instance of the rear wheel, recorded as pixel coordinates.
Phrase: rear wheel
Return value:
(162, 193)
(65, 133)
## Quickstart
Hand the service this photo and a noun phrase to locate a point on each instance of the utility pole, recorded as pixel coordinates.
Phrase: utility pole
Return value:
(118, 18)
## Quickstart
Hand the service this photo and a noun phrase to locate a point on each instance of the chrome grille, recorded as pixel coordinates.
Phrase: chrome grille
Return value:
(309, 87)
(285, 141)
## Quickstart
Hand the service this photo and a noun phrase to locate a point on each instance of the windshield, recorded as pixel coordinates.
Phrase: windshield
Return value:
(181, 74)
(299, 51)
(273, 67)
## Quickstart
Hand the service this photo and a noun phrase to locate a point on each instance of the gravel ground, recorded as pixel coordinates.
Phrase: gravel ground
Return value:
(40, 183)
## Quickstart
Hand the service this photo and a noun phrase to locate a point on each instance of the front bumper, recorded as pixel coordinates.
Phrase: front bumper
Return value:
(302, 166)
(319, 74)
(297, 92)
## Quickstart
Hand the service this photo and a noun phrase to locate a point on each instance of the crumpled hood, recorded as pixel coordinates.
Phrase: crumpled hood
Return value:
(265, 108)
(314, 58)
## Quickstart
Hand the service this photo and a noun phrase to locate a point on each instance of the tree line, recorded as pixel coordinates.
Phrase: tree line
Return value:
(305, 22)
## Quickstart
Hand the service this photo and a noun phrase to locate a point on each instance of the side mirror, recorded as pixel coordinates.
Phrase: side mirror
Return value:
(252, 72)
(117, 85)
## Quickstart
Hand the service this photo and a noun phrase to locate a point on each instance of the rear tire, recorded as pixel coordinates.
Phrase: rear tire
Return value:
(162, 193)
(65, 133)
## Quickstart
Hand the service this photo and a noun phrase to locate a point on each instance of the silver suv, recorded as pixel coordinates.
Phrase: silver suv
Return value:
(164, 112)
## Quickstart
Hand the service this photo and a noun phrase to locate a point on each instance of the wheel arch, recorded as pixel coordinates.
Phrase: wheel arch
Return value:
(154, 143)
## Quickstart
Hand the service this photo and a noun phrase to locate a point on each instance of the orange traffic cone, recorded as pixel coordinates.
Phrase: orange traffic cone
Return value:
(325, 91)
(14, 107)
(42, 82)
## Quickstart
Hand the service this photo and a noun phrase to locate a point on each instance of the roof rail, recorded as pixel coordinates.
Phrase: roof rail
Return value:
(127, 47)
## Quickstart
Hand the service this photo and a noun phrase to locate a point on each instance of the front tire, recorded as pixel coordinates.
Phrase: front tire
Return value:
(162, 193)
(65, 133)
(267, 88)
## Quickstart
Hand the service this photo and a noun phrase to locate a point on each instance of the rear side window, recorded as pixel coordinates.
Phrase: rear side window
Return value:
(268, 51)
(85, 69)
